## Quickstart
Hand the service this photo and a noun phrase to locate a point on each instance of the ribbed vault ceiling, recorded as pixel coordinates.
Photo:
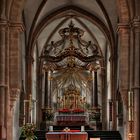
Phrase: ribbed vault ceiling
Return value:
(97, 18)
(36, 10)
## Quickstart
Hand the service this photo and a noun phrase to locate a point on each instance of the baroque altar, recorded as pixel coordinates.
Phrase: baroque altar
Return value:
(71, 108)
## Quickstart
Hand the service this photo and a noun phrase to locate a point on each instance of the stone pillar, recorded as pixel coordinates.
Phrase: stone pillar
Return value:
(2, 8)
(136, 26)
(113, 62)
(21, 109)
(14, 58)
(137, 114)
(29, 60)
(14, 72)
(104, 99)
(15, 55)
(124, 35)
(2, 78)
(124, 67)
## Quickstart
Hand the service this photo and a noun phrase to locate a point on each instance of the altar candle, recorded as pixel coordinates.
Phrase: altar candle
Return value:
(50, 128)
(82, 128)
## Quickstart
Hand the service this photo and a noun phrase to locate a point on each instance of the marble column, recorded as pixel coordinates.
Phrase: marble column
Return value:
(46, 90)
(92, 94)
(95, 89)
(50, 85)
(49, 90)
(136, 26)
(48, 100)
(43, 89)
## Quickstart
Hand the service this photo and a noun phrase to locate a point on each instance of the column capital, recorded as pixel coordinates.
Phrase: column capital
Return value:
(3, 23)
(17, 26)
(12, 25)
(14, 93)
(123, 27)
(136, 24)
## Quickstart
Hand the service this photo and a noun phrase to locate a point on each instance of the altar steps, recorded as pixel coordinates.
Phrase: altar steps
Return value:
(104, 135)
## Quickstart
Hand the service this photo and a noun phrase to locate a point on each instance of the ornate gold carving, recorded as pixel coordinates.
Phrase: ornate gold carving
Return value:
(49, 66)
(71, 97)
(79, 50)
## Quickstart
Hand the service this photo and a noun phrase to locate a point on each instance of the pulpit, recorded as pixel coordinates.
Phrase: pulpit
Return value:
(66, 136)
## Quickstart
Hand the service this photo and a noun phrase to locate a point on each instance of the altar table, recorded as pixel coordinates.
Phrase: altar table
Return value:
(66, 136)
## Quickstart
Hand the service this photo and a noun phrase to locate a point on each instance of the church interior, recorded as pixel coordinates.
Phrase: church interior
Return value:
(70, 69)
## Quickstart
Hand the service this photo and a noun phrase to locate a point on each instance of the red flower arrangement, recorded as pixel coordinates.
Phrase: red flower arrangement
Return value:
(78, 110)
(64, 110)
